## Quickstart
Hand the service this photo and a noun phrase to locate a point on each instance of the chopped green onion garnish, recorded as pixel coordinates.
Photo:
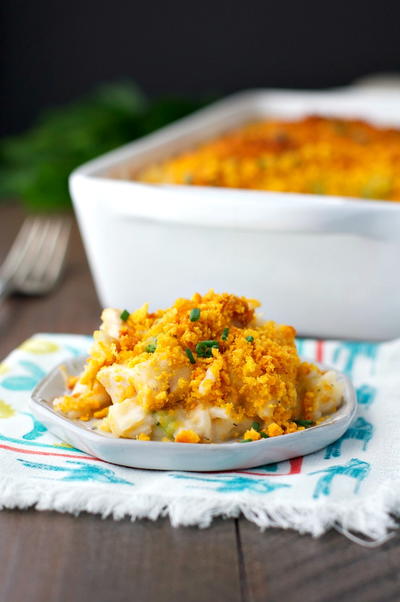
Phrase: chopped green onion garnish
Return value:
(245, 440)
(225, 334)
(204, 348)
(194, 314)
(250, 338)
(125, 315)
(264, 435)
(305, 423)
(190, 355)
(256, 426)
(151, 347)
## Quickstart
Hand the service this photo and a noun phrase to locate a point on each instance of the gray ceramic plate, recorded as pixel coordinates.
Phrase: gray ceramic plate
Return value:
(180, 456)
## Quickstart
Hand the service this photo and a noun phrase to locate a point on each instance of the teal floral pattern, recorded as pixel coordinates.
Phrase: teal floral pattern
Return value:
(349, 470)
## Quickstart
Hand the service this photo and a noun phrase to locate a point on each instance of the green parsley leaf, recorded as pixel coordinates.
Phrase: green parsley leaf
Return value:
(194, 314)
(225, 334)
(151, 347)
(256, 426)
(250, 339)
(125, 315)
(306, 423)
(204, 348)
(245, 440)
(190, 355)
(264, 435)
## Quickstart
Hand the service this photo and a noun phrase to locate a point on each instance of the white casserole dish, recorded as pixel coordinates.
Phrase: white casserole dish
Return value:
(327, 265)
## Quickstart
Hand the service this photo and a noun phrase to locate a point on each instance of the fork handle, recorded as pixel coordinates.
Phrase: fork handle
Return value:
(5, 288)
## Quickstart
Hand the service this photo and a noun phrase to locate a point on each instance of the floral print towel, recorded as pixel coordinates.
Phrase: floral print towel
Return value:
(353, 484)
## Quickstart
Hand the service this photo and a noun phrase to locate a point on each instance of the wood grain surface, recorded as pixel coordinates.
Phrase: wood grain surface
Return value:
(45, 556)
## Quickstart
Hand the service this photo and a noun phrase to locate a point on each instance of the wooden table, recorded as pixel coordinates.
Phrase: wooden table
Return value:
(45, 556)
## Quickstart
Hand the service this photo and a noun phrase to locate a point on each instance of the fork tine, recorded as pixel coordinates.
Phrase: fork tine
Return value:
(24, 270)
(19, 248)
(47, 249)
(37, 256)
(59, 255)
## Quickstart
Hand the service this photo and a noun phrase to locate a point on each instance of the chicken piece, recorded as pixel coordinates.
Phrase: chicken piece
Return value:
(111, 323)
(128, 419)
(118, 381)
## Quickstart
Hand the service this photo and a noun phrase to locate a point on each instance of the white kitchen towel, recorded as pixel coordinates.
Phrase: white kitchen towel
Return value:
(353, 484)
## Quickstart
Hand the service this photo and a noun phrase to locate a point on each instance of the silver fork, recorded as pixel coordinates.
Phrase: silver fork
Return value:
(36, 258)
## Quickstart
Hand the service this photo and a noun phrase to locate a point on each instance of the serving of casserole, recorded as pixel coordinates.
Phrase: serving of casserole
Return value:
(205, 370)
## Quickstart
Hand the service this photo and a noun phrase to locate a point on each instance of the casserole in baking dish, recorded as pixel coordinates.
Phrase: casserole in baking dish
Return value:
(313, 154)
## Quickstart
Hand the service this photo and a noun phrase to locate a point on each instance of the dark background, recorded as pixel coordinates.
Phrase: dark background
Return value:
(54, 51)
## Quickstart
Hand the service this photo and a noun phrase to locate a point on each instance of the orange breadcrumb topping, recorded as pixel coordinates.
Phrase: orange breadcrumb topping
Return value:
(252, 434)
(101, 413)
(274, 430)
(317, 155)
(71, 381)
(187, 436)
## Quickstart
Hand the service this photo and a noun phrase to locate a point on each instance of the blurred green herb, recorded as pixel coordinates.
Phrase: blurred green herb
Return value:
(35, 165)
(125, 315)
(305, 423)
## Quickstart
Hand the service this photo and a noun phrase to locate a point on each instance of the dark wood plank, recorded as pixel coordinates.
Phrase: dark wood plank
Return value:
(283, 565)
(48, 556)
